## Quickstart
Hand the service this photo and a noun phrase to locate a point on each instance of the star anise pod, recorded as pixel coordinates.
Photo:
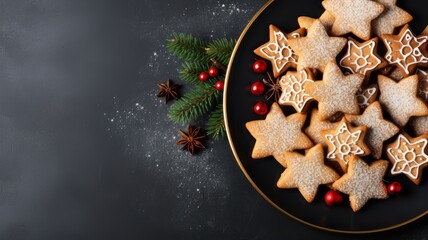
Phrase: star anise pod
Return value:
(168, 90)
(191, 141)
(273, 88)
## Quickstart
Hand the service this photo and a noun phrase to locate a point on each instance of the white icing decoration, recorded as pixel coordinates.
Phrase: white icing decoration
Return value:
(409, 160)
(280, 51)
(361, 63)
(344, 144)
(413, 54)
(364, 96)
(293, 90)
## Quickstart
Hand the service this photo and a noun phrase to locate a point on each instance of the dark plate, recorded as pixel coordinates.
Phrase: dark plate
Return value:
(376, 215)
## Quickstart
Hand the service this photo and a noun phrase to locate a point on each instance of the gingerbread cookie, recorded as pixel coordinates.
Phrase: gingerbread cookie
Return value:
(326, 19)
(363, 182)
(306, 172)
(362, 57)
(391, 17)
(278, 51)
(278, 134)
(316, 126)
(423, 84)
(406, 51)
(400, 99)
(344, 141)
(419, 125)
(367, 96)
(378, 129)
(317, 48)
(408, 156)
(396, 74)
(293, 89)
(353, 16)
(336, 92)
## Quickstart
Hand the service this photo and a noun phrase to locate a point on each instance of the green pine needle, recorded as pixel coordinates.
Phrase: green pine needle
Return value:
(221, 50)
(190, 72)
(216, 128)
(188, 48)
(194, 104)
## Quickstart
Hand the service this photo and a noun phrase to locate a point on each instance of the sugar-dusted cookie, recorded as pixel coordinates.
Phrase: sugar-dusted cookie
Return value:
(293, 89)
(306, 172)
(408, 156)
(345, 141)
(423, 84)
(400, 99)
(326, 19)
(316, 126)
(353, 16)
(406, 51)
(278, 134)
(362, 57)
(367, 95)
(391, 17)
(317, 48)
(278, 51)
(419, 125)
(396, 74)
(336, 92)
(363, 182)
(378, 129)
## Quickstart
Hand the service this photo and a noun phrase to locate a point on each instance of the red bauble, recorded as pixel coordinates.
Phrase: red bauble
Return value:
(260, 108)
(332, 198)
(394, 188)
(219, 85)
(257, 88)
(260, 66)
(213, 72)
(203, 76)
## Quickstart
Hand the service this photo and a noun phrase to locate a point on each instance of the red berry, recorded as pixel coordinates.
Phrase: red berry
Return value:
(332, 198)
(203, 76)
(259, 66)
(213, 72)
(257, 88)
(394, 188)
(260, 108)
(219, 85)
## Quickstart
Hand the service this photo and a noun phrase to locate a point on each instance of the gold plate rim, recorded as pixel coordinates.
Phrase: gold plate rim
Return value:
(238, 160)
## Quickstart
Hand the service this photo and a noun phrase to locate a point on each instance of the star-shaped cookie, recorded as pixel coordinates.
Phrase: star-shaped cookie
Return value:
(336, 92)
(408, 156)
(278, 134)
(391, 17)
(278, 51)
(293, 89)
(362, 57)
(345, 141)
(316, 126)
(317, 48)
(400, 99)
(326, 19)
(363, 182)
(306, 172)
(367, 95)
(406, 51)
(378, 129)
(353, 16)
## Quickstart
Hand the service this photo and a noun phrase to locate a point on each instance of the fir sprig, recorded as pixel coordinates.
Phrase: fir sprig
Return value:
(188, 48)
(221, 50)
(194, 104)
(190, 71)
(216, 128)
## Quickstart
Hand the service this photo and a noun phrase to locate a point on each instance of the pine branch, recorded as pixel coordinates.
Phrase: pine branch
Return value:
(190, 72)
(194, 104)
(221, 50)
(216, 128)
(188, 47)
